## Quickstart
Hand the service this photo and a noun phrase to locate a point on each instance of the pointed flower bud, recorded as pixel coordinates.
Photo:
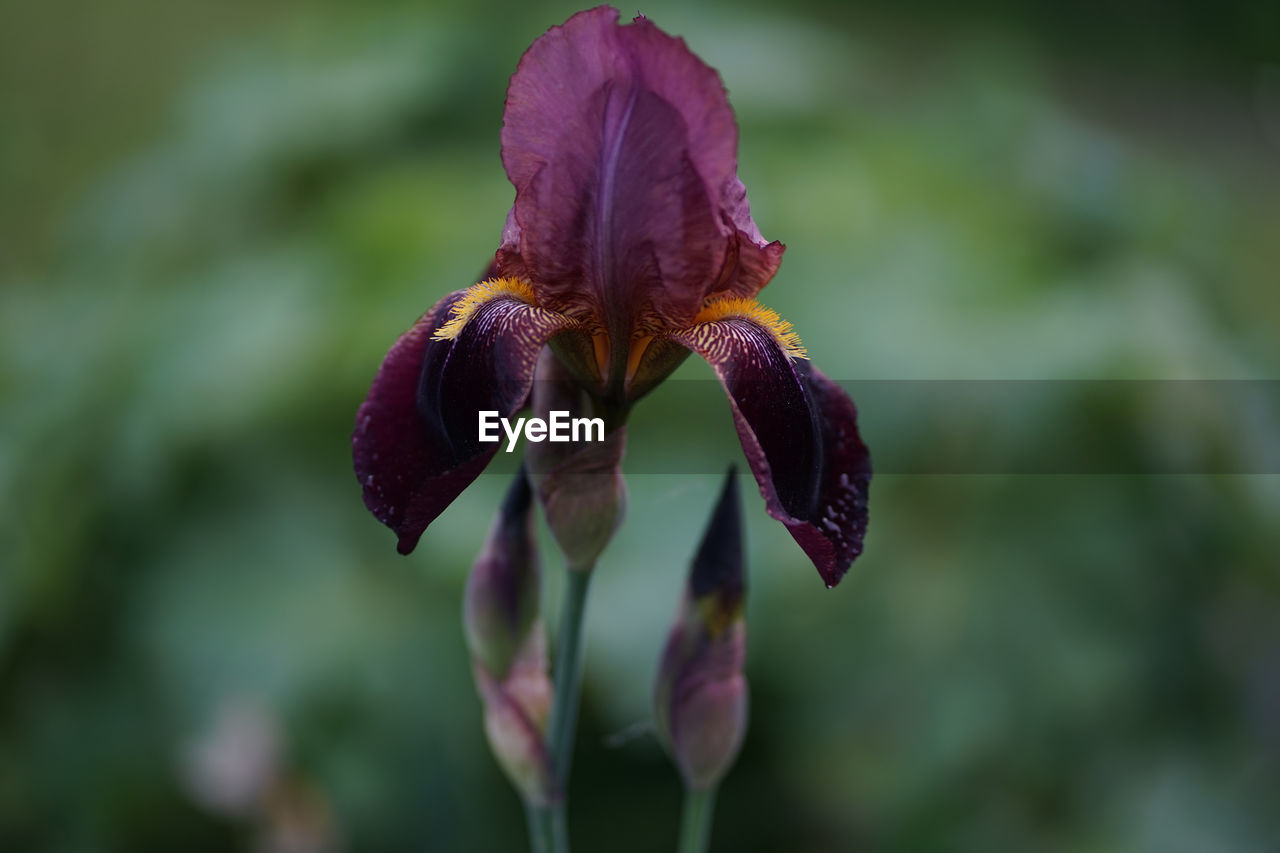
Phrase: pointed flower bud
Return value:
(501, 601)
(579, 483)
(508, 649)
(700, 700)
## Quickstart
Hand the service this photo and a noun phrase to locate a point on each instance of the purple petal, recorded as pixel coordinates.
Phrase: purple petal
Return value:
(416, 443)
(753, 261)
(799, 432)
(622, 148)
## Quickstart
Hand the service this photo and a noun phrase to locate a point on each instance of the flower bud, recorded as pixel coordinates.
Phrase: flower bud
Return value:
(579, 483)
(700, 700)
(501, 600)
(508, 649)
(516, 711)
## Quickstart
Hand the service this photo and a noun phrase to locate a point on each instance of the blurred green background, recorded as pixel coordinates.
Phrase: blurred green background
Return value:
(216, 217)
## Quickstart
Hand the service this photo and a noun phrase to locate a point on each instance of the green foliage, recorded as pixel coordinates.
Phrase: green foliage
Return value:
(1064, 663)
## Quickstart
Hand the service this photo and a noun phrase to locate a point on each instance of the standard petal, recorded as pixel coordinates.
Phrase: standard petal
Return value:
(799, 432)
(622, 148)
(752, 260)
(416, 444)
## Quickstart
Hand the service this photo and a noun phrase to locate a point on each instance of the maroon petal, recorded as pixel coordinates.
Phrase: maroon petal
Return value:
(799, 432)
(752, 260)
(416, 444)
(623, 151)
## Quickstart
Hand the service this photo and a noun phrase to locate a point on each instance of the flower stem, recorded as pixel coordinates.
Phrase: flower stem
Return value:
(541, 832)
(564, 708)
(695, 822)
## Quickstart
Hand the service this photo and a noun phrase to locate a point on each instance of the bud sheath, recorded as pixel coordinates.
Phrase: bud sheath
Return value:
(700, 699)
(579, 483)
(508, 649)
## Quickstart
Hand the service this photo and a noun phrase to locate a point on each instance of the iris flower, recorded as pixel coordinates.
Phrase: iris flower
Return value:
(630, 244)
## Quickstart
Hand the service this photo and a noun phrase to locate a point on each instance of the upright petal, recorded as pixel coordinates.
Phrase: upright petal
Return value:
(416, 444)
(798, 429)
(752, 261)
(622, 148)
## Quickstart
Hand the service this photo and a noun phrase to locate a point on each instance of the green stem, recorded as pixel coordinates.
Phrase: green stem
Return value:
(548, 826)
(695, 822)
(541, 831)
(564, 709)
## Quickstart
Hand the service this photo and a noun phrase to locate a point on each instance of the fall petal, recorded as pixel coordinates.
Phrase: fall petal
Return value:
(799, 432)
(416, 444)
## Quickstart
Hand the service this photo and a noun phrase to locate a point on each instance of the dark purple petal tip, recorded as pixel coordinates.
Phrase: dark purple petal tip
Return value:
(718, 567)
(832, 532)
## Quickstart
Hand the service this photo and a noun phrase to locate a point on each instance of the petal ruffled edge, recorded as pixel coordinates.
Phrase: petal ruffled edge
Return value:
(416, 443)
(622, 147)
(799, 433)
(752, 261)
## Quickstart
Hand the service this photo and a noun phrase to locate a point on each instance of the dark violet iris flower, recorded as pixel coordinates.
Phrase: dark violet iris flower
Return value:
(630, 244)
